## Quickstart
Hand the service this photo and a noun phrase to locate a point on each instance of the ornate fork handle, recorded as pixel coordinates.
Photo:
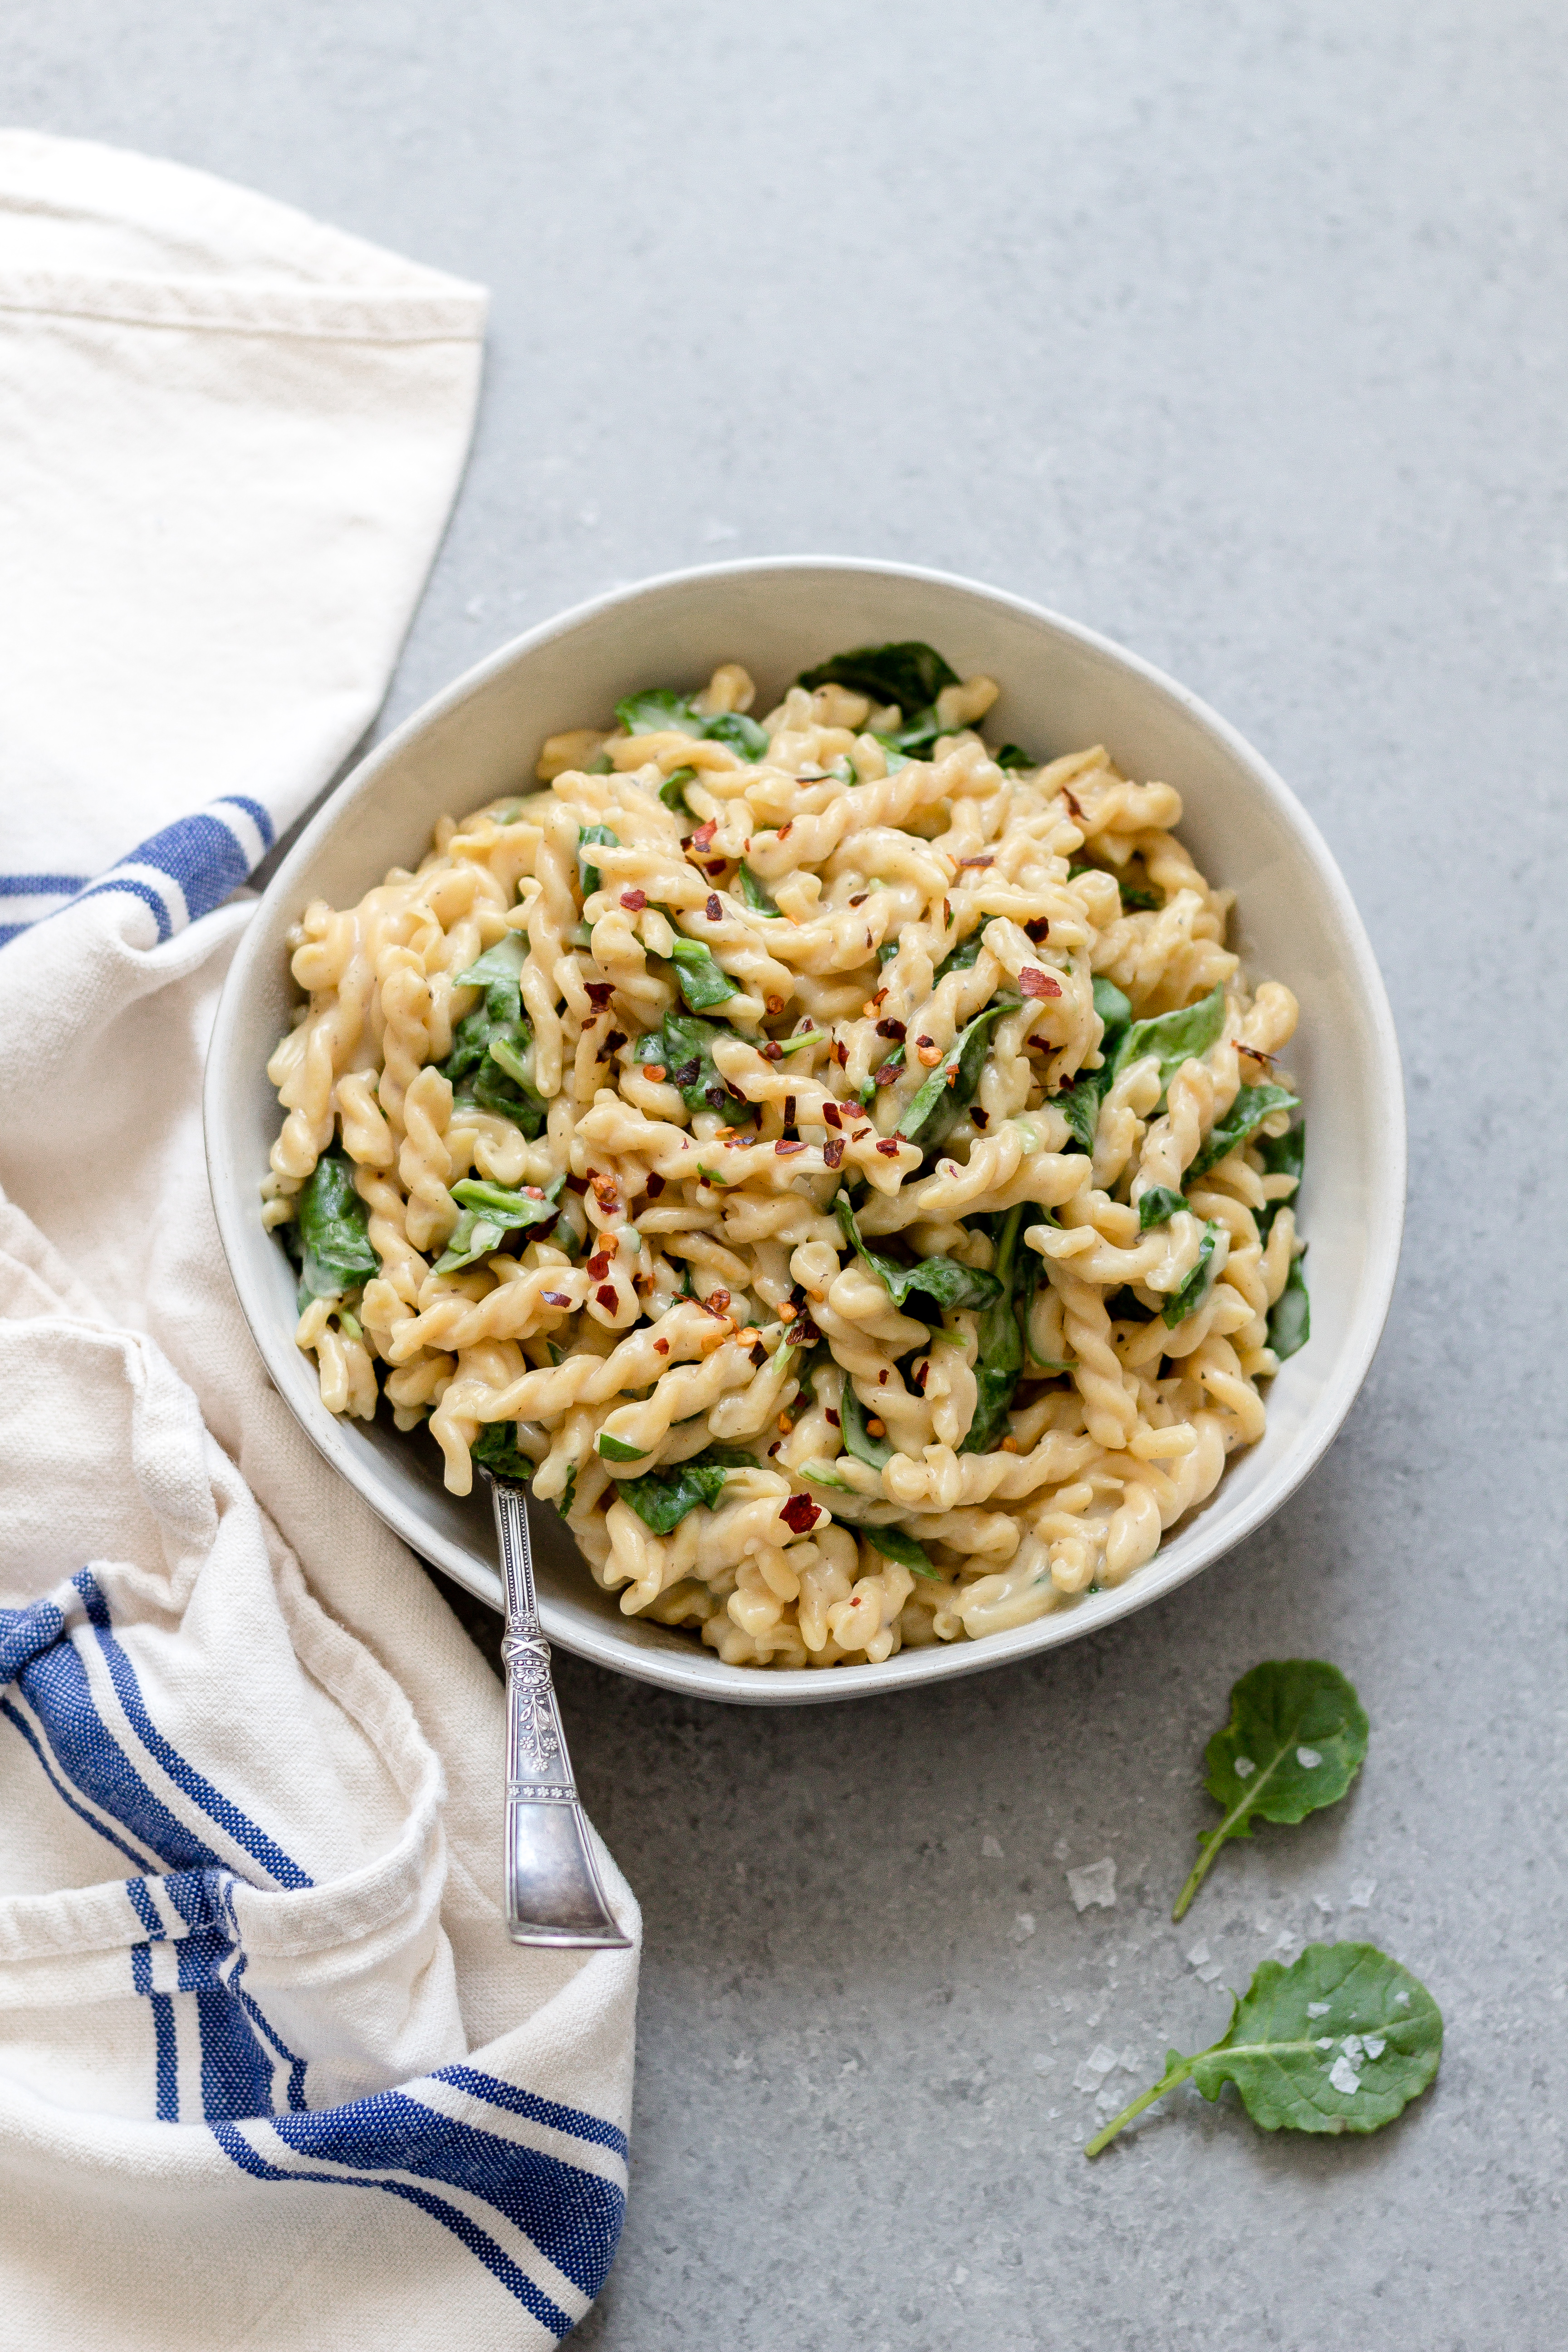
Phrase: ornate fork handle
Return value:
(552, 1891)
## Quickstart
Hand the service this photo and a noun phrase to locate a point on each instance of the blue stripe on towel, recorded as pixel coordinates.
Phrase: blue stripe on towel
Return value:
(572, 2216)
(498, 2263)
(186, 1777)
(203, 854)
(167, 2061)
(12, 1714)
(42, 886)
(518, 2102)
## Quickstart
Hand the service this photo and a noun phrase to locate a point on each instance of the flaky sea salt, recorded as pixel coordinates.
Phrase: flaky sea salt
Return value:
(1244, 1768)
(1361, 1892)
(1198, 1953)
(1343, 2077)
(1023, 1927)
(1308, 1758)
(991, 1848)
(1093, 2070)
(1374, 2045)
(1317, 2008)
(1353, 2048)
(1095, 1883)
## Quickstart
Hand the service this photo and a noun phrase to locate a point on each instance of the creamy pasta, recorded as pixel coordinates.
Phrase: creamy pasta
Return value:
(839, 1161)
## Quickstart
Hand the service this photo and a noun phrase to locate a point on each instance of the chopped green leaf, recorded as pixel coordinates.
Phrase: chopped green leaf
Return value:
(802, 1038)
(1115, 1010)
(1175, 1037)
(963, 958)
(1290, 1317)
(1081, 1109)
(946, 1281)
(1011, 757)
(1295, 1741)
(616, 1449)
(660, 711)
(1195, 1290)
(500, 967)
(1158, 1205)
(1342, 2041)
(485, 1066)
(662, 1499)
(950, 1089)
(910, 674)
(332, 1225)
(495, 1449)
(892, 758)
(1000, 1358)
(1079, 1106)
(1282, 1155)
(1246, 1114)
(752, 894)
(672, 791)
(489, 1212)
(875, 1452)
(703, 980)
(684, 1047)
(894, 1544)
(588, 875)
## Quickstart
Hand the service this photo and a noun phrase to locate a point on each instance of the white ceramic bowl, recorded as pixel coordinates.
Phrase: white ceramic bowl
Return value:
(1062, 688)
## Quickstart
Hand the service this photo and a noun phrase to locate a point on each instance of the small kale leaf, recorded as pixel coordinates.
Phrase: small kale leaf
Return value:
(489, 1212)
(703, 980)
(1295, 1741)
(1198, 1284)
(1290, 1317)
(495, 1449)
(1175, 1037)
(875, 1452)
(662, 1499)
(1080, 1104)
(332, 1225)
(999, 1359)
(1246, 1114)
(950, 1089)
(1340, 2040)
(659, 710)
(1157, 1206)
(911, 673)
(1282, 1155)
(1011, 757)
(895, 1545)
(755, 896)
(588, 875)
(485, 1065)
(963, 958)
(683, 1047)
(672, 791)
(947, 1282)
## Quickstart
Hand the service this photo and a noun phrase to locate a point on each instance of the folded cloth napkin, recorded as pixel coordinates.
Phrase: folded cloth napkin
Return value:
(271, 2071)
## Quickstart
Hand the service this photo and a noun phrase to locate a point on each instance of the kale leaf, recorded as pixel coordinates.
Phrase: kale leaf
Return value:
(946, 1281)
(684, 1047)
(1000, 1358)
(703, 980)
(875, 1452)
(489, 1212)
(1195, 1288)
(1342, 2041)
(1295, 1741)
(950, 1089)
(963, 958)
(333, 1227)
(495, 1449)
(1011, 757)
(1175, 1037)
(485, 1065)
(1282, 1155)
(1290, 1317)
(754, 895)
(894, 1544)
(672, 791)
(659, 710)
(588, 875)
(911, 673)
(1157, 1206)
(662, 1499)
(1079, 1106)
(1246, 1114)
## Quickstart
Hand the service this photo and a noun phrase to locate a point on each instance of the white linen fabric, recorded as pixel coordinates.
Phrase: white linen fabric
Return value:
(270, 2070)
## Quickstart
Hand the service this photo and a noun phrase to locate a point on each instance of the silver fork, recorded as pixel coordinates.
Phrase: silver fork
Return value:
(552, 1890)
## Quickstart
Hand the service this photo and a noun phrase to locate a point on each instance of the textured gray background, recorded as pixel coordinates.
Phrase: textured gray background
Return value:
(1239, 333)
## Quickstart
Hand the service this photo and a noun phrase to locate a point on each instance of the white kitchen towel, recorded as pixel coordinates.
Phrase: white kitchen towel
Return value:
(271, 2071)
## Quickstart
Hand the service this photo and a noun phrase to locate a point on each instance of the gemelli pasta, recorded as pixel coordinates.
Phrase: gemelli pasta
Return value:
(837, 1159)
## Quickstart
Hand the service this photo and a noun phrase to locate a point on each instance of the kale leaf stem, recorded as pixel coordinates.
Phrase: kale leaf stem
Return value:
(1215, 1838)
(1178, 2073)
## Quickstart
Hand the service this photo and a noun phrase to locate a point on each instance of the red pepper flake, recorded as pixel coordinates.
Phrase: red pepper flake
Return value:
(922, 1373)
(661, 1347)
(634, 901)
(883, 1379)
(859, 898)
(875, 1428)
(784, 1146)
(776, 1004)
(894, 1029)
(789, 1110)
(800, 1513)
(803, 1334)
(771, 1053)
(557, 1298)
(599, 991)
(1036, 983)
(775, 1448)
(1039, 929)
(716, 1302)
(952, 1075)
(1071, 802)
(599, 1265)
(830, 1114)
(833, 1152)
(828, 1414)
(888, 1147)
(982, 1117)
(786, 830)
(578, 1184)
(533, 1192)
(714, 911)
(759, 1355)
(887, 1075)
(612, 1044)
(703, 834)
(655, 1185)
(841, 1053)
(986, 860)
(608, 1298)
(717, 865)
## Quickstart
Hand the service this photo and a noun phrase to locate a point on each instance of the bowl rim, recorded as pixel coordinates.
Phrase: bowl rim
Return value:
(703, 1674)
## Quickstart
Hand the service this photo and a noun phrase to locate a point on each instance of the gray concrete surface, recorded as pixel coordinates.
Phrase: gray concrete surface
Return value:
(1240, 333)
